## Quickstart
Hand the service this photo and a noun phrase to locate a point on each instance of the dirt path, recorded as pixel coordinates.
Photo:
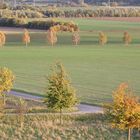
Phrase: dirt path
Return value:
(83, 108)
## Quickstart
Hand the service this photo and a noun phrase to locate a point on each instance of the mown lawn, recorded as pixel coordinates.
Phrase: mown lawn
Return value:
(95, 71)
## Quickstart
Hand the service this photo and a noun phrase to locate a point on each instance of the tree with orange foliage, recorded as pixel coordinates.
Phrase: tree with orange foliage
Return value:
(76, 38)
(2, 39)
(127, 39)
(102, 38)
(124, 111)
(52, 36)
(26, 37)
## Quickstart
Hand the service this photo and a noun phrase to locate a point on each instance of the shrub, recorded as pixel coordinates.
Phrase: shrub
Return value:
(13, 22)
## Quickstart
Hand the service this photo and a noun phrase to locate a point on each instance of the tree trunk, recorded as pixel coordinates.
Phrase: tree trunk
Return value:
(26, 44)
(60, 116)
(129, 134)
(4, 99)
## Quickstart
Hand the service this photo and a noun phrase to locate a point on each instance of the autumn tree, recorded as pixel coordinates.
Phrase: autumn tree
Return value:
(127, 39)
(102, 38)
(124, 111)
(76, 38)
(52, 36)
(60, 94)
(6, 81)
(26, 37)
(2, 39)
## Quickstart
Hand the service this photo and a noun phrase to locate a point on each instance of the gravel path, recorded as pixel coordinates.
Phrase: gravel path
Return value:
(83, 108)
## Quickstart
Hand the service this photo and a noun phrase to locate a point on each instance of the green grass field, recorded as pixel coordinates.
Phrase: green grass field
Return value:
(95, 71)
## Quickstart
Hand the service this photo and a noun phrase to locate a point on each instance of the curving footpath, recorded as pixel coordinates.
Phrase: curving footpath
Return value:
(83, 108)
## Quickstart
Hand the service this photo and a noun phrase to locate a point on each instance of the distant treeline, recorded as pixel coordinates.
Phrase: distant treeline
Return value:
(36, 12)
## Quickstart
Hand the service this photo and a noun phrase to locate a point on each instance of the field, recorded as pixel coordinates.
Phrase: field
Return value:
(95, 71)
(42, 127)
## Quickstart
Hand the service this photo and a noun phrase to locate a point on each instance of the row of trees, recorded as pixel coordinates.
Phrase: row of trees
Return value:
(103, 39)
(52, 37)
(123, 112)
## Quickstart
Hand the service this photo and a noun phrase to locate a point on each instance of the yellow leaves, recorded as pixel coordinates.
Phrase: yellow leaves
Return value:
(102, 38)
(125, 109)
(2, 38)
(26, 37)
(6, 80)
(66, 26)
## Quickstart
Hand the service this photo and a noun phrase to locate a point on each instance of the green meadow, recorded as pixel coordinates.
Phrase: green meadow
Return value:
(95, 71)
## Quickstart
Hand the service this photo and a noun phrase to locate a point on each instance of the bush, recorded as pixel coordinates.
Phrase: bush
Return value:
(44, 25)
(13, 22)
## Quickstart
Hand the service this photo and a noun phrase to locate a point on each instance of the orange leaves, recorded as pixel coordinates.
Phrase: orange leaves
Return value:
(127, 38)
(26, 37)
(124, 111)
(2, 39)
(52, 36)
(67, 27)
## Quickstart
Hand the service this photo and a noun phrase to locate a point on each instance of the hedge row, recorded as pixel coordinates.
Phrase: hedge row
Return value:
(16, 22)
(97, 12)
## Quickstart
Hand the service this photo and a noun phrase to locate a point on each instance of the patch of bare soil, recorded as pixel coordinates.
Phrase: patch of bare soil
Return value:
(17, 30)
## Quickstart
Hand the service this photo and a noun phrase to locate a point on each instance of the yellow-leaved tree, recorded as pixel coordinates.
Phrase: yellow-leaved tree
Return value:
(124, 111)
(26, 37)
(127, 39)
(6, 81)
(76, 38)
(2, 39)
(102, 38)
(52, 36)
